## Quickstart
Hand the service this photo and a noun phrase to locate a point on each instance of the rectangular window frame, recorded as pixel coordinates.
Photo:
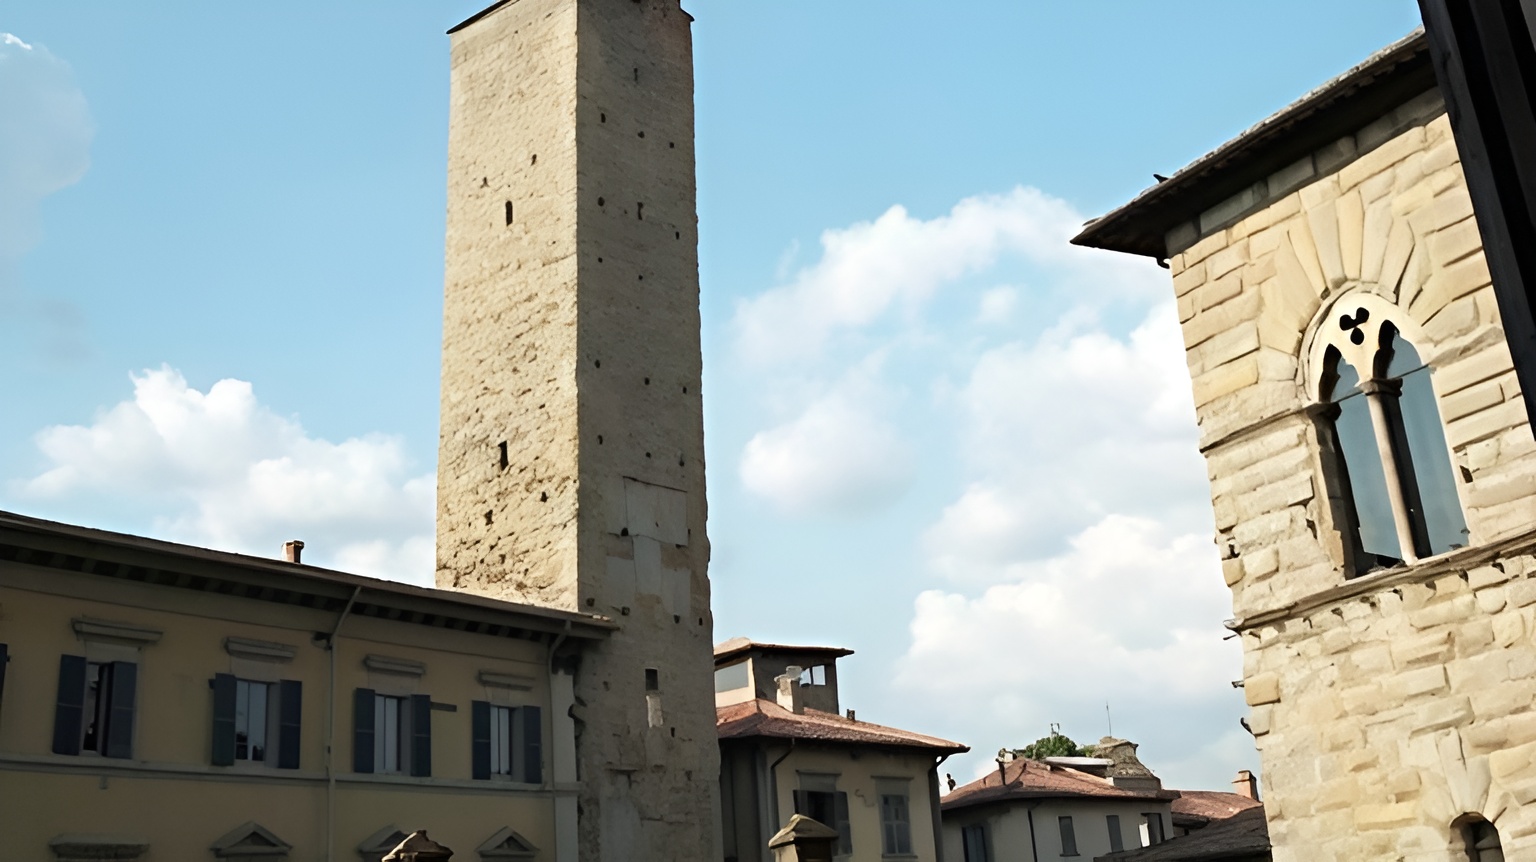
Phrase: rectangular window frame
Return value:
(1068, 835)
(975, 843)
(391, 732)
(894, 801)
(1116, 837)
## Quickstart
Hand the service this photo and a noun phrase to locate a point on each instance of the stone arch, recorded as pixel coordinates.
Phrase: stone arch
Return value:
(1317, 337)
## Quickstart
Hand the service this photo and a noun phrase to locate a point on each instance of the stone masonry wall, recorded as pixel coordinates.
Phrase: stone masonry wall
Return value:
(572, 338)
(1387, 705)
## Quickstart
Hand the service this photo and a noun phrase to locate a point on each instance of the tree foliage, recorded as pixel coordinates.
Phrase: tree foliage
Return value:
(1055, 745)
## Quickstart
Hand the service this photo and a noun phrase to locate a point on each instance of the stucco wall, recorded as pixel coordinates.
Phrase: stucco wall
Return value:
(1008, 827)
(858, 770)
(170, 794)
(1387, 705)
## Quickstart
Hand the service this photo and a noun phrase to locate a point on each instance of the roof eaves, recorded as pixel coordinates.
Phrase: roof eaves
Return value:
(1388, 78)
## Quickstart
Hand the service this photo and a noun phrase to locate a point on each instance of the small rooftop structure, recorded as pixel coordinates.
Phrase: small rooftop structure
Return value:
(747, 669)
(1243, 837)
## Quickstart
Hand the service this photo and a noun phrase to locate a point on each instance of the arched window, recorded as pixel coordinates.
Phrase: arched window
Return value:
(1392, 465)
(1481, 838)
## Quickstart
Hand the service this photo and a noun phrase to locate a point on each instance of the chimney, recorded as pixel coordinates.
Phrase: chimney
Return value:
(789, 690)
(292, 550)
(1246, 785)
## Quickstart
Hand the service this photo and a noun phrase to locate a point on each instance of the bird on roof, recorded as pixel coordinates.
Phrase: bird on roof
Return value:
(950, 779)
(1160, 178)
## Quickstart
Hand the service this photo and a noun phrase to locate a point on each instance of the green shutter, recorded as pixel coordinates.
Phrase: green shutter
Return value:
(223, 685)
(290, 712)
(69, 711)
(362, 730)
(120, 703)
(421, 735)
(533, 749)
(480, 740)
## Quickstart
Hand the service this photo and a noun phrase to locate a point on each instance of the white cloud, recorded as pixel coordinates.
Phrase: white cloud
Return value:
(997, 305)
(897, 260)
(839, 455)
(45, 137)
(1063, 432)
(218, 468)
(1129, 615)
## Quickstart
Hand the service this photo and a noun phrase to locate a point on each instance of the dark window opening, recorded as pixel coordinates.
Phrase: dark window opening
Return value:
(1068, 836)
(652, 679)
(509, 212)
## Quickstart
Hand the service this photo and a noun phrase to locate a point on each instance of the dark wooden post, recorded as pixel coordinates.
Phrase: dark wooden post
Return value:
(1484, 53)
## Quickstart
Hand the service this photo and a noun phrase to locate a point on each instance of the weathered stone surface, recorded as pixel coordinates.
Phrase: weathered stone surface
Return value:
(1386, 707)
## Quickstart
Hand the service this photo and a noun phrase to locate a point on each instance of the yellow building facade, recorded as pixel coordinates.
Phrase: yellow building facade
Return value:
(162, 702)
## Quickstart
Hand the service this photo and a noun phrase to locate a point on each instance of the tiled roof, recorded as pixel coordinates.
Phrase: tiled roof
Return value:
(1198, 807)
(1240, 838)
(1031, 779)
(764, 718)
(738, 646)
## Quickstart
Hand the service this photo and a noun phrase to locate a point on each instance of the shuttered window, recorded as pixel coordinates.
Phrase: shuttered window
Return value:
(94, 711)
(506, 742)
(256, 722)
(819, 799)
(391, 734)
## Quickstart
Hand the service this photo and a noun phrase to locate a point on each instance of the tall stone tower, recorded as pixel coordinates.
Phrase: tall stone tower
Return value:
(571, 460)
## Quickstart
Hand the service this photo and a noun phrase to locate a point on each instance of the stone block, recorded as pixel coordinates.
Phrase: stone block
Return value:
(1207, 246)
(1324, 222)
(1455, 242)
(1443, 611)
(1414, 683)
(1189, 278)
(1305, 251)
(1490, 601)
(1225, 380)
(1394, 260)
(1483, 424)
(1262, 689)
(1451, 320)
(1473, 398)
(1442, 713)
(1508, 628)
(1350, 213)
(1209, 322)
(1434, 648)
(1384, 816)
(1482, 577)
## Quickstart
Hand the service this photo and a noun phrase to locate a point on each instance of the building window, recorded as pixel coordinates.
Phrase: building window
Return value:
(95, 707)
(975, 843)
(1116, 841)
(895, 818)
(1068, 836)
(819, 799)
(732, 677)
(256, 721)
(506, 742)
(814, 675)
(1152, 828)
(1386, 449)
(391, 733)
(1482, 839)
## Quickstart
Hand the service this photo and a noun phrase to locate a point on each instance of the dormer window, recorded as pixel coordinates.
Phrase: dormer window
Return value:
(815, 675)
(1387, 448)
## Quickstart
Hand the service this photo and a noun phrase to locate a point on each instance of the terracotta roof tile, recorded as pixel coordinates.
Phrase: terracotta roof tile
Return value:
(1031, 779)
(1243, 836)
(1198, 807)
(764, 718)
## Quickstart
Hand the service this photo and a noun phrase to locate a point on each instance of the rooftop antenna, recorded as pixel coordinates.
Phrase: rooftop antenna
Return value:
(1109, 721)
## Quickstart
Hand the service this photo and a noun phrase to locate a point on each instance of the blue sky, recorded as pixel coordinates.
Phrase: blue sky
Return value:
(936, 434)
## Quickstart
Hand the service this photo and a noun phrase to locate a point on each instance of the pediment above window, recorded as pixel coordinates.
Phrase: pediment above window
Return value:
(248, 841)
(506, 844)
(376, 846)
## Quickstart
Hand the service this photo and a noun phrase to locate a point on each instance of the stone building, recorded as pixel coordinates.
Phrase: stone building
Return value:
(571, 461)
(786, 750)
(1371, 464)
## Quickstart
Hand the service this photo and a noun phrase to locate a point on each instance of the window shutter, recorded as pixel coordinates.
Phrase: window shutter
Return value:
(290, 712)
(223, 686)
(844, 828)
(125, 685)
(69, 713)
(362, 730)
(480, 740)
(533, 749)
(5, 658)
(421, 735)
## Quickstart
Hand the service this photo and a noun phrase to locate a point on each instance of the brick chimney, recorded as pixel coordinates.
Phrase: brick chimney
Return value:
(292, 550)
(1245, 784)
(789, 695)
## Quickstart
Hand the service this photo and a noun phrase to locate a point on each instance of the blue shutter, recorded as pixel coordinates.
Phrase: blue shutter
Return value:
(362, 730)
(69, 712)
(223, 686)
(120, 702)
(533, 749)
(290, 712)
(480, 740)
(421, 735)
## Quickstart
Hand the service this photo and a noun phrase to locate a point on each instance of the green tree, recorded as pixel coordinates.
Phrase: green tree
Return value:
(1054, 745)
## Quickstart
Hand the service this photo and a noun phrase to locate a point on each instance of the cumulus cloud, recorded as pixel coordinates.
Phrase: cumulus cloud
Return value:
(897, 260)
(1128, 617)
(45, 137)
(218, 468)
(839, 455)
(1065, 431)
